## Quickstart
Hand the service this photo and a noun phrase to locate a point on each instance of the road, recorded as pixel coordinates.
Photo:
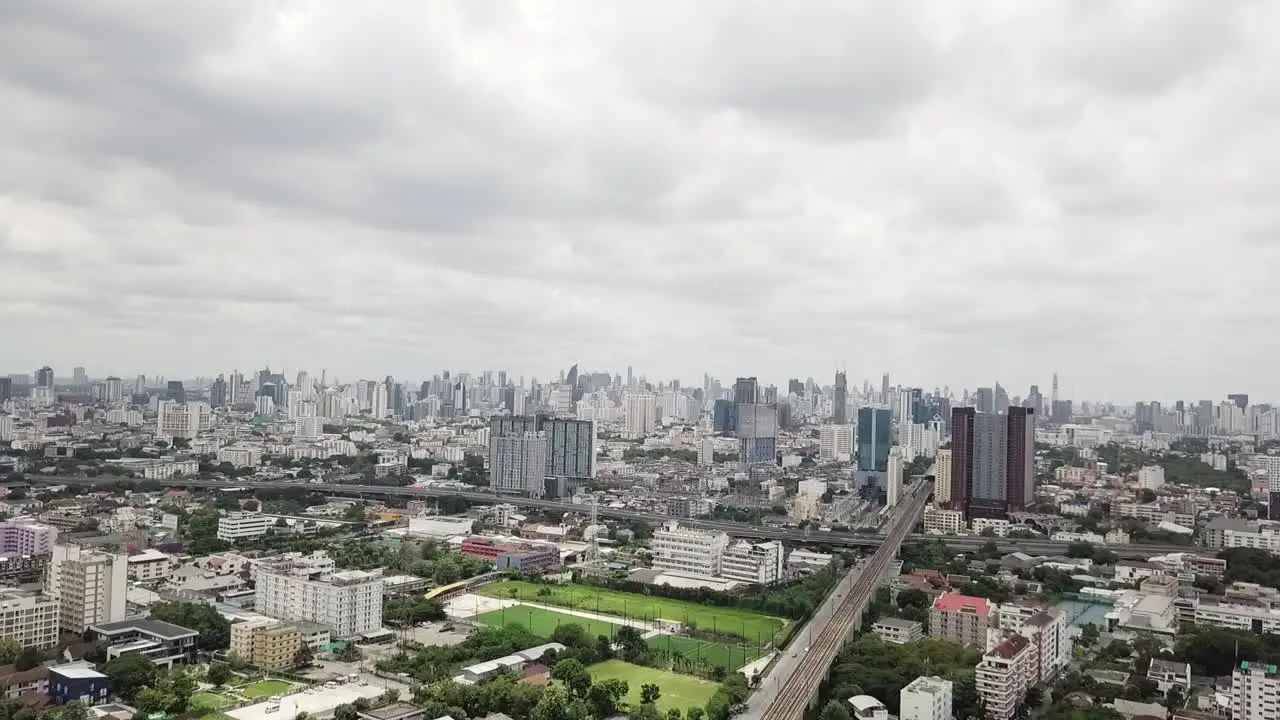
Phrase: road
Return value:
(833, 539)
(794, 680)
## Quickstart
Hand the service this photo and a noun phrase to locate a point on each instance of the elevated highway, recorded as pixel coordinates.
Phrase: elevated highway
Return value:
(832, 539)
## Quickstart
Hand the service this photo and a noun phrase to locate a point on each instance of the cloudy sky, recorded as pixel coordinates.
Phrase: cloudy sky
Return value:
(957, 193)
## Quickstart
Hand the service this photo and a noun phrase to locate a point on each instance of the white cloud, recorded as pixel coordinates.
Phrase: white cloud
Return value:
(957, 193)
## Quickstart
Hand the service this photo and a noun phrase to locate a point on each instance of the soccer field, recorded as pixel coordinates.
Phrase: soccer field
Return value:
(752, 627)
(678, 691)
(694, 651)
(267, 688)
(542, 622)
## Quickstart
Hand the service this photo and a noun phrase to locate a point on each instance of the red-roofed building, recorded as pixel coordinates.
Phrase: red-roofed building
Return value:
(961, 619)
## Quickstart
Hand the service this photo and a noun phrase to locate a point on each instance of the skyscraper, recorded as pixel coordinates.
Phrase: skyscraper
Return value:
(840, 401)
(217, 392)
(757, 433)
(992, 461)
(44, 377)
(1034, 400)
(986, 400)
(746, 390)
(6, 388)
(875, 426)
(176, 392)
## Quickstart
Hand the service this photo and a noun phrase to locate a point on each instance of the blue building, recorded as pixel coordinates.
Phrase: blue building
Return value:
(78, 683)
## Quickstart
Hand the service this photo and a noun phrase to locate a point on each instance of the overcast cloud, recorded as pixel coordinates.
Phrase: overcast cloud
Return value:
(957, 193)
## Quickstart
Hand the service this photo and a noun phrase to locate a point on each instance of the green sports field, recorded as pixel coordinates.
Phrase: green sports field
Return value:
(543, 622)
(678, 691)
(692, 651)
(753, 627)
(209, 701)
(267, 688)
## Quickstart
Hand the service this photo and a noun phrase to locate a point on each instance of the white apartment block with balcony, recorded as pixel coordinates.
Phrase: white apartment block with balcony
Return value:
(236, 526)
(1151, 477)
(89, 585)
(241, 455)
(18, 537)
(29, 619)
(1267, 537)
(757, 563)
(1047, 630)
(1255, 692)
(688, 551)
(348, 602)
(943, 522)
(183, 420)
(150, 565)
(165, 469)
(1003, 676)
(835, 443)
(926, 698)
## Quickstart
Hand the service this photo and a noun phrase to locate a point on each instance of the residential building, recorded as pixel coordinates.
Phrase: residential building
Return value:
(992, 461)
(570, 450)
(348, 602)
(942, 477)
(78, 682)
(241, 455)
(183, 419)
(943, 522)
(1255, 691)
(395, 711)
(926, 698)
(29, 619)
(19, 537)
(518, 463)
(1048, 633)
(149, 565)
(866, 707)
(237, 526)
(641, 416)
(961, 619)
(897, 630)
(1167, 675)
(1151, 477)
(758, 563)
(89, 585)
(160, 642)
(276, 647)
(835, 443)
(1003, 676)
(686, 550)
(32, 683)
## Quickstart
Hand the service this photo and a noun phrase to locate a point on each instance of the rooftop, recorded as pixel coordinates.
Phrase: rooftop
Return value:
(1010, 648)
(76, 671)
(146, 625)
(955, 602)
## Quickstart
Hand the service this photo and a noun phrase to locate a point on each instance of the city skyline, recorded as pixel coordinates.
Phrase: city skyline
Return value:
(399, 187)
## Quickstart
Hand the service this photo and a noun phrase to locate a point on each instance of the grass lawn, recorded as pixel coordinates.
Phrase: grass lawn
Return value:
(678, 691)
(752, 627)
(266, 688)
(209, 701)
(542, 622)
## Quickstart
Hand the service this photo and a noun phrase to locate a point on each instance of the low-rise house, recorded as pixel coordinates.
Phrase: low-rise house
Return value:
(1167, 674)
(160, 642)
(897, 630)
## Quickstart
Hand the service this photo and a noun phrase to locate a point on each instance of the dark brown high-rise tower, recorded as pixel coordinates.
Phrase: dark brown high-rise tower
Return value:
(992, 461)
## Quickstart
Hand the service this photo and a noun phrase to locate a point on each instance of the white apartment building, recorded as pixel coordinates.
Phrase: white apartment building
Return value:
(1255, 692)
(348, 602)
(29, 619)
(26, 538)
(759, 563)
(926, 698)
(149, 565)
(998, 526)
(235, 526)
(183, 420)
(898, 631)
(835, 443)
(688, 551)
(6, 428)
(165, 469)
(1003, 676)
(241, 455)
(1048, 633)
(942, 477)
(642, 414)
(1151, 477)
(308, 428)
(89, 586)
(944, 522)
(1266, 538)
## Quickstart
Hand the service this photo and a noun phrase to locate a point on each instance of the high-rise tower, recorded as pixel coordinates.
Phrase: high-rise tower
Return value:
(992, 461)
(840, 400)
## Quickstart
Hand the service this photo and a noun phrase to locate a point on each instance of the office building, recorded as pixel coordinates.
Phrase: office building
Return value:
(1255, 691)
(961, 619)
(1003, 677)
(89, 586)
(6, 388)
(524, 557)
(175, 392)
(642, 416)
(724, 416)
(29, 619)
(926, 698)
(26, 538)
(757, 434)
(44, 377)
(992, 462)
(840, 400)
(942, 477)
(985, 400)
(238, 526)
(874, 439)
(164, 644)
(893, 478)
(689, 551)
(835, 443)
(348, 602)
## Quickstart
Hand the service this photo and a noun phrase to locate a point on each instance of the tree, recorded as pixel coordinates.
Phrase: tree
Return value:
(345, 712)
(1034, 697)
(70, 711)
(649, 693)
(1175, 699)
(674, 714)
(129, 674)
(694, 713)
(573, 675)
(214, 629)
(605, 696)
(834, 710)
(27, 659)
(9, 650)
(646, 711)
(347, 653)
(1089, 634)
(304, 656)
(218, 674)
